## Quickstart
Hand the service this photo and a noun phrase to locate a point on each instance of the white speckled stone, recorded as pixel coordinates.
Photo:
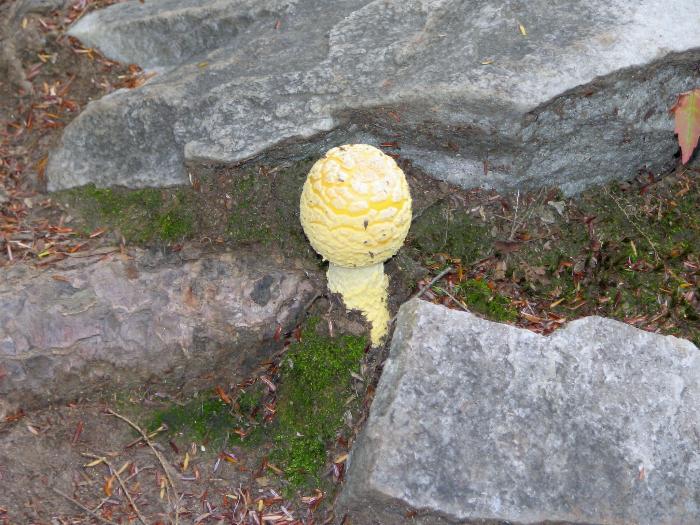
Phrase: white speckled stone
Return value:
(599, 423)
(583, 98)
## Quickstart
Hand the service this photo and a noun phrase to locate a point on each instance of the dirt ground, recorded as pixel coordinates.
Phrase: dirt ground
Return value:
(81, 464)
(46, 460)
(629, 251)
(64, 76)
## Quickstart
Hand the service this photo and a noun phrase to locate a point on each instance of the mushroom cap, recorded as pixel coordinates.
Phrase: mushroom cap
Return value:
(356, 206)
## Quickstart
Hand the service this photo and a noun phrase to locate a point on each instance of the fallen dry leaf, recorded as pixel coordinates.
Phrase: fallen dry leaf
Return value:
(686, 111)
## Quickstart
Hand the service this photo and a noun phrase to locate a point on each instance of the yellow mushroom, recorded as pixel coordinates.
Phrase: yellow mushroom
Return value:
(356, 211)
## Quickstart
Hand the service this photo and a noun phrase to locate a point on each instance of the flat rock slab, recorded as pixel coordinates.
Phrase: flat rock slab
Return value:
(113, 322)
(502, 94)
(599, 423)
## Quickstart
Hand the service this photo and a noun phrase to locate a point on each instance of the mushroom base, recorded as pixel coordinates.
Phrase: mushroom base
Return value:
(364, 289)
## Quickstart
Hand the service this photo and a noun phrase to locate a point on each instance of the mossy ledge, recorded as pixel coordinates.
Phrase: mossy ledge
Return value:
(314, 384)
(140, 216)
(256, 205)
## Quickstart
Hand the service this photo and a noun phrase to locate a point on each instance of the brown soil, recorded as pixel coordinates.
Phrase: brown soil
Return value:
(46, 454)
(65, 77)
(50, 466)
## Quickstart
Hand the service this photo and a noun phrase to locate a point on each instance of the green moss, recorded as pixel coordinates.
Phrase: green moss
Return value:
(265, 208)
(248, 401)
(629, 255)
(112, 202)
(303, 457)
(244, 224)
(236, 206)
(176, 222)
(204, 418)
(480, 298)
(288, 188)
(441, 230)
(248, 414)
(244, 228)
(140, 216)
(315, 385)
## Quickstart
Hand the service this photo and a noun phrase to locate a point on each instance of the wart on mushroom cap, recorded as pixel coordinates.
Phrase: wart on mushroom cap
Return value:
(356, 211)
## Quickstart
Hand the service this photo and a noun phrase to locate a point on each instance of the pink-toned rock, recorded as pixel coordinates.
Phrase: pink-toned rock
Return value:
(114, 321)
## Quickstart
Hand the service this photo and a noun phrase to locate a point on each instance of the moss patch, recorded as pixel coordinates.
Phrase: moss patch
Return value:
(440, 229)
(482, 299)
(248, 206)
(203, 418)
(263, 208)
(627, 256)
(140, 216)
(315, 385)
(206, 418)
(175, 223)
(629, 252)
(243, 221)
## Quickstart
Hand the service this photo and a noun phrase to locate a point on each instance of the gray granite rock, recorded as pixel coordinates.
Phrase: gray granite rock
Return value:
(90, 323)
(581, 99)
(599, 423)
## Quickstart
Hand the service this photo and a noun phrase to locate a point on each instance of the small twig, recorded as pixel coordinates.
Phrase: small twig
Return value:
(148, 442)
(532, 207)
(432, 282)
(152, 434)
(83, 507)
(448, 214)
(515, 216)
(633, 223)
(427, 287)
(128, 496)
(104, 500)
(457, 301)
(121, 484)
(92, 253)
(158, 455)
(503, 217)
(80, 15)
(138, 471)
(311, 301)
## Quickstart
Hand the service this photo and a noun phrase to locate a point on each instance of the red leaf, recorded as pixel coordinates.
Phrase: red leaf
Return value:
(687, 113)
(278, 332)
(223, 395)
(78, 430)
(107, 487)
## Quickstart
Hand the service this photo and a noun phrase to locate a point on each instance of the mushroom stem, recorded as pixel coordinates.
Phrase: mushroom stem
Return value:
(364, 289)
